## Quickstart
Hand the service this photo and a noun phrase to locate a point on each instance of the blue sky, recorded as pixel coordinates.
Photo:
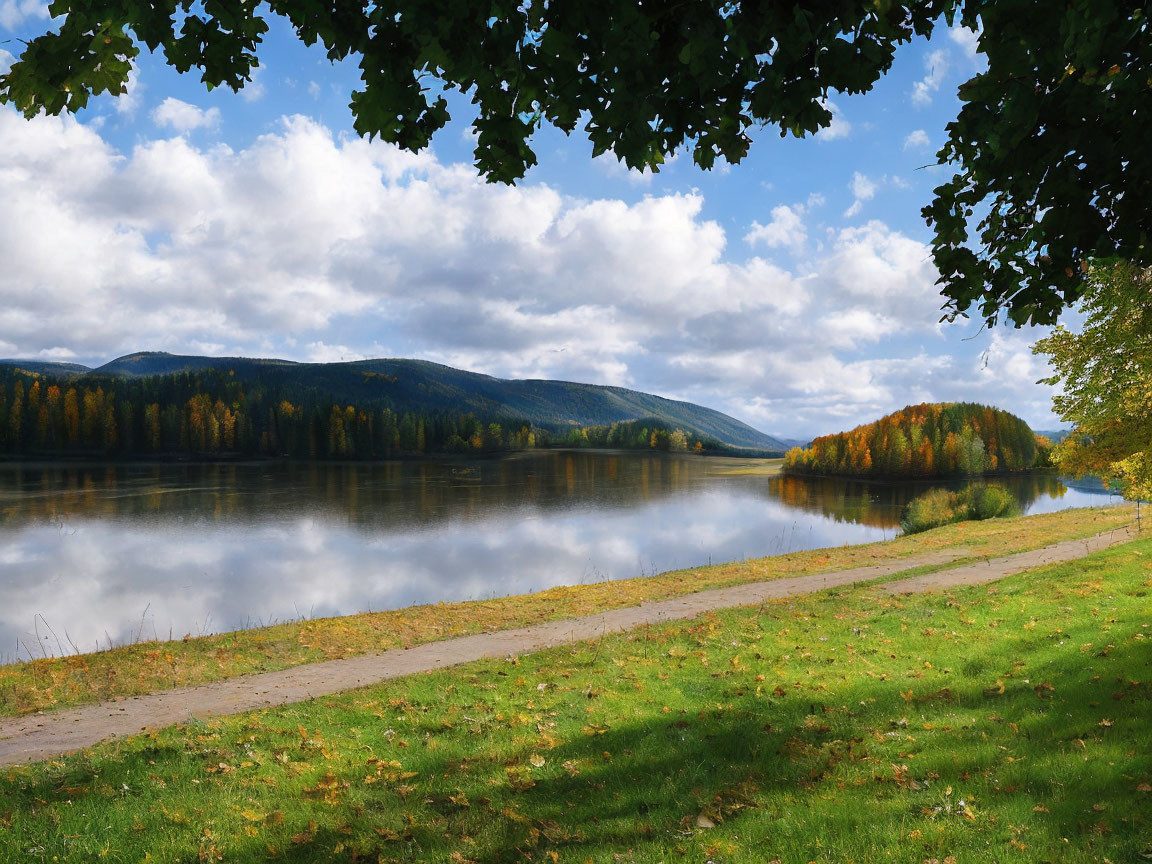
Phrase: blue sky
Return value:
(793, 291)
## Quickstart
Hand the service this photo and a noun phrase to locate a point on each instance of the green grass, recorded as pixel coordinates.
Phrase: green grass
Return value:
(150, 666)
(843, 726)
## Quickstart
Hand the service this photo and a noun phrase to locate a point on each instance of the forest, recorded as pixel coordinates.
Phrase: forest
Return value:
(928, 440)
(212, 414)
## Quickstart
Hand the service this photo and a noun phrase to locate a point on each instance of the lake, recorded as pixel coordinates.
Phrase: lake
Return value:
(99, 554)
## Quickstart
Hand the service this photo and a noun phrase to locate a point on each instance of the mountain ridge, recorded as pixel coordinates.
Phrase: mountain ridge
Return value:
(424, 384)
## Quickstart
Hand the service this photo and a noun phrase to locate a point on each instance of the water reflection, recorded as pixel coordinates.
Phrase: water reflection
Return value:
(118, 553)
(372, 496)
(880, 504)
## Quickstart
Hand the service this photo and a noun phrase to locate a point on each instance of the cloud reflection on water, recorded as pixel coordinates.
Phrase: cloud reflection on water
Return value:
(159, 551)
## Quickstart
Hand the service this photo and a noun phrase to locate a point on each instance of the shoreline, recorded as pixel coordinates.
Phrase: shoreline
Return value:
(50, 735)
(40, 460)
(149, 666)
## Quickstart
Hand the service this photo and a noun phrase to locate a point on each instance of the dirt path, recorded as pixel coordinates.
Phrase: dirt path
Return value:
(42, 736)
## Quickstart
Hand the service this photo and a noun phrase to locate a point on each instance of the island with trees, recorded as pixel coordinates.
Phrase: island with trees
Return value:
(949, 439)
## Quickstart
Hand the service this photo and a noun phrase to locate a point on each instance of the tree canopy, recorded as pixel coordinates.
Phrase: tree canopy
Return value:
(947, 439)
(1050, 167)
(1106, 375)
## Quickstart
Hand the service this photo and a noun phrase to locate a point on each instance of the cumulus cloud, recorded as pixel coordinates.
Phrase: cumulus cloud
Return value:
(56, 352)
(916, 139)
(839, 128)
(14, 13)
(967, 40)
(184, 117)
(936, 66)
(307, 245)
(127, 103)
(608, 164)
(254, 90)
(863, 189)
(786, 229)
(852, 327)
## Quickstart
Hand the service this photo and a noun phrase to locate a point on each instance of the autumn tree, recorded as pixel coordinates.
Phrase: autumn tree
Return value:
(1105, 372)
(72, 415)
(926, 440)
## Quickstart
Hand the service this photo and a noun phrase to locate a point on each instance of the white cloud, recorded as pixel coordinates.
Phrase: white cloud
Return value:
(863, 189)
(321, 352)
(6, 61)
(785, 229)
(916, 139)
(885, 272)
(14, 13)
(184, 117)
(936, 65)
(314, 89)
(852, 327)
(967, 40)
(57, 352)
(862, 186)
(307, 245)
(607, 163)
(129, 101)
(839, 127)
(254, 90)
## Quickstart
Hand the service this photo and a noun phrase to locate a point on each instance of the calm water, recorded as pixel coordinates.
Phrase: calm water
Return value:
(94, 554)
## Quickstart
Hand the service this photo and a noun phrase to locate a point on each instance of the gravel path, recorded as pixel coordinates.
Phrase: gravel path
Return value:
(42, 736)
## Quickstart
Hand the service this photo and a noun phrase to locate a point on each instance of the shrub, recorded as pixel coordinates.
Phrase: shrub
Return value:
(933, 508)
(990, 502)
(938, 507)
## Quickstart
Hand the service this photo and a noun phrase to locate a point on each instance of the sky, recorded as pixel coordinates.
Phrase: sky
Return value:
(793, 291)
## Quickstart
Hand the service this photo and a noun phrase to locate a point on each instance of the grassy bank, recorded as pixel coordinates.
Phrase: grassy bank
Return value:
(996, 723)
(151, 666)
(753, 468)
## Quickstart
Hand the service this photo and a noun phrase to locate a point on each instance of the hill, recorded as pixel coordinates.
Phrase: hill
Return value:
(929, 440)
(419, 385)
(423, 388)
(47, 367)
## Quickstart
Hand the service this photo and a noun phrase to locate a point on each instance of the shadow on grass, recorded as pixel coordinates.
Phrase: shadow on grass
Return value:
(859, 768)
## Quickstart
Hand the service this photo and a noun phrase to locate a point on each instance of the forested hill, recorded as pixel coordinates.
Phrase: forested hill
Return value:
(47, 367)
(403, 387)
(930, 440)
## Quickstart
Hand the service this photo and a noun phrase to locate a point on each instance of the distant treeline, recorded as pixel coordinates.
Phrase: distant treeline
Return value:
(930, 440)
(638, 435)
(210, 413)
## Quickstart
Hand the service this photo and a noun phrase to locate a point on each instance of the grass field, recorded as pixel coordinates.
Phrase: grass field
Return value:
(1003, 723)
(150, 666)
